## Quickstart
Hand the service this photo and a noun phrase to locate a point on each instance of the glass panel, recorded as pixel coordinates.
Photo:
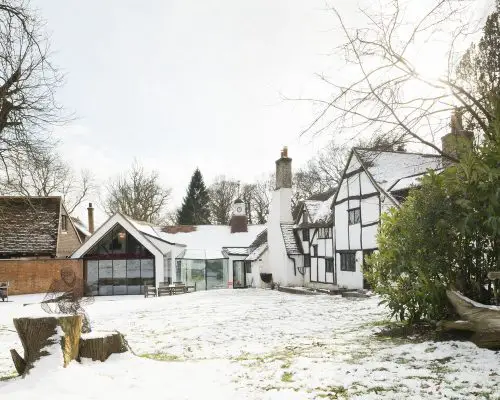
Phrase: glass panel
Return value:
(148, 272)
(92, 276)
(194, 273)
(238, 274)
(105, 277)
(119, 240)
(215, 275)
(119, 277)
(178, 271)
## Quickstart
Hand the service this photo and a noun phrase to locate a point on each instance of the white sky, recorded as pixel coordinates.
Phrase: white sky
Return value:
(181, 84)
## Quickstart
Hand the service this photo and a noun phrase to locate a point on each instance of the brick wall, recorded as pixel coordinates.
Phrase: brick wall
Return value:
(35, 276)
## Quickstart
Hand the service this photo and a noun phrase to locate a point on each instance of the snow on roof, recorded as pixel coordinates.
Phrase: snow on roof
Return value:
(237, 251)
(203, 237)
(387, 167)
(257, 252)
(291, 243)
(80, 226)
(201, 254)
(312, 207)
(406, 183)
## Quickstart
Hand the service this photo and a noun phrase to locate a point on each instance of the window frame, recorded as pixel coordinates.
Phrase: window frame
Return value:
(345, 258)
(315, 250)
(306, 238)
(352, 211)
(308, 263)
(324, 233)
(64, 223)
(329, 265)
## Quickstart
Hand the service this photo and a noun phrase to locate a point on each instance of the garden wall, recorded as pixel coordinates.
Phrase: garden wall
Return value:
(36, 276)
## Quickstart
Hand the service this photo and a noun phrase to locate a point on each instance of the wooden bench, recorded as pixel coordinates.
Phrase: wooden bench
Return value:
(165, 289)
(149, 290)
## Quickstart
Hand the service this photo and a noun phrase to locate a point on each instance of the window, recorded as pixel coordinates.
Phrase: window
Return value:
(307, 260)
(64, 223)
(305, 235)
(348, 261)
(315, 250)
(354, 216)
(329, 265)
(324, 233)
(248, 267)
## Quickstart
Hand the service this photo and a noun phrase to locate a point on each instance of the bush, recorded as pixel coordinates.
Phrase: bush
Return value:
(447, 233)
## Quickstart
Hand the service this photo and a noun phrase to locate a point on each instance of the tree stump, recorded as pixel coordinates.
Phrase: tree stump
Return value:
(484, 321)
(99, 346)
(37, 334)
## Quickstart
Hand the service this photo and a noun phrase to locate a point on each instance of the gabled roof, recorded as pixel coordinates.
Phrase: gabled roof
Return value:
(388, 168)
(81, 227)
(29, 226)
(392, 171)
(318, 208)
(292, 244)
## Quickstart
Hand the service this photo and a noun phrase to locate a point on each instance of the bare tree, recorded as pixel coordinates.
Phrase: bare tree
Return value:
(222, 194)
(28, 81)
(44, 173)
(247, 195)
(137, 194)
(261, 198)
(384, 92)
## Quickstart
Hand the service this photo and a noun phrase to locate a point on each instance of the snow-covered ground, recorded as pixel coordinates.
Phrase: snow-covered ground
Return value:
(252, 344)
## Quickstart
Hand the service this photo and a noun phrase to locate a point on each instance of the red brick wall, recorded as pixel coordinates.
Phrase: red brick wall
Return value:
(35, 276)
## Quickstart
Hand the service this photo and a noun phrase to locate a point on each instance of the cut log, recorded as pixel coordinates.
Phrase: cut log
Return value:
(37, 334)
(99, 346)
(484, 320)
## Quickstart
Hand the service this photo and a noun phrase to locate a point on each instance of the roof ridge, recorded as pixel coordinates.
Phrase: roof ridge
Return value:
(396, 152)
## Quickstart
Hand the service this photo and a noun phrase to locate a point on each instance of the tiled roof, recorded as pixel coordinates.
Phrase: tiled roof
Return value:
(29, 226)
(292, 245)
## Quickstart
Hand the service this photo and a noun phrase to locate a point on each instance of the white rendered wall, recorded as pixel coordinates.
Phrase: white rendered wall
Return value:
(349, 279)
(280, 265)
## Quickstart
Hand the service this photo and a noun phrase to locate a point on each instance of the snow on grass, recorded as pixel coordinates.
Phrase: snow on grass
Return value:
(255, 344)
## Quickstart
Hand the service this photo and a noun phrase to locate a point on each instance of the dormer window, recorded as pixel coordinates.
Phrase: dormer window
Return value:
(64, 223)
(305, 220)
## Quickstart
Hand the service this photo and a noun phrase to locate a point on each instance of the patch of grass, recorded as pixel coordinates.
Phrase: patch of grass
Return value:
(161, 356)
(332, 392)
(8, 377)
(287, 377)
(286, 364)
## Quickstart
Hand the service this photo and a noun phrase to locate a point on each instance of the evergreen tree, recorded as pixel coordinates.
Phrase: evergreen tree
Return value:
(195, 206)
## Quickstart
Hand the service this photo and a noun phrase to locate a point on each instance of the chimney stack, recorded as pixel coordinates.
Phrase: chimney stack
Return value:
(458, 140)
(239, 222)
(91, 218)
(284, 170)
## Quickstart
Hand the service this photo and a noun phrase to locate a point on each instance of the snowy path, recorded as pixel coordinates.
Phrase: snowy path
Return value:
(256, 344)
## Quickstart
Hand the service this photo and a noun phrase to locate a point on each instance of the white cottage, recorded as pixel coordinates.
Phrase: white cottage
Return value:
(326, 244)
(123, 255)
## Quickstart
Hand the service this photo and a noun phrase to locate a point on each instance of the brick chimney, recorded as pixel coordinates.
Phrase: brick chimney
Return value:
(90, 211)
(284, 170)
(238, 221)
(458, 140)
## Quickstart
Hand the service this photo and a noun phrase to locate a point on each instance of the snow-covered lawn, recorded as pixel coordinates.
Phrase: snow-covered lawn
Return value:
(253, 344)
